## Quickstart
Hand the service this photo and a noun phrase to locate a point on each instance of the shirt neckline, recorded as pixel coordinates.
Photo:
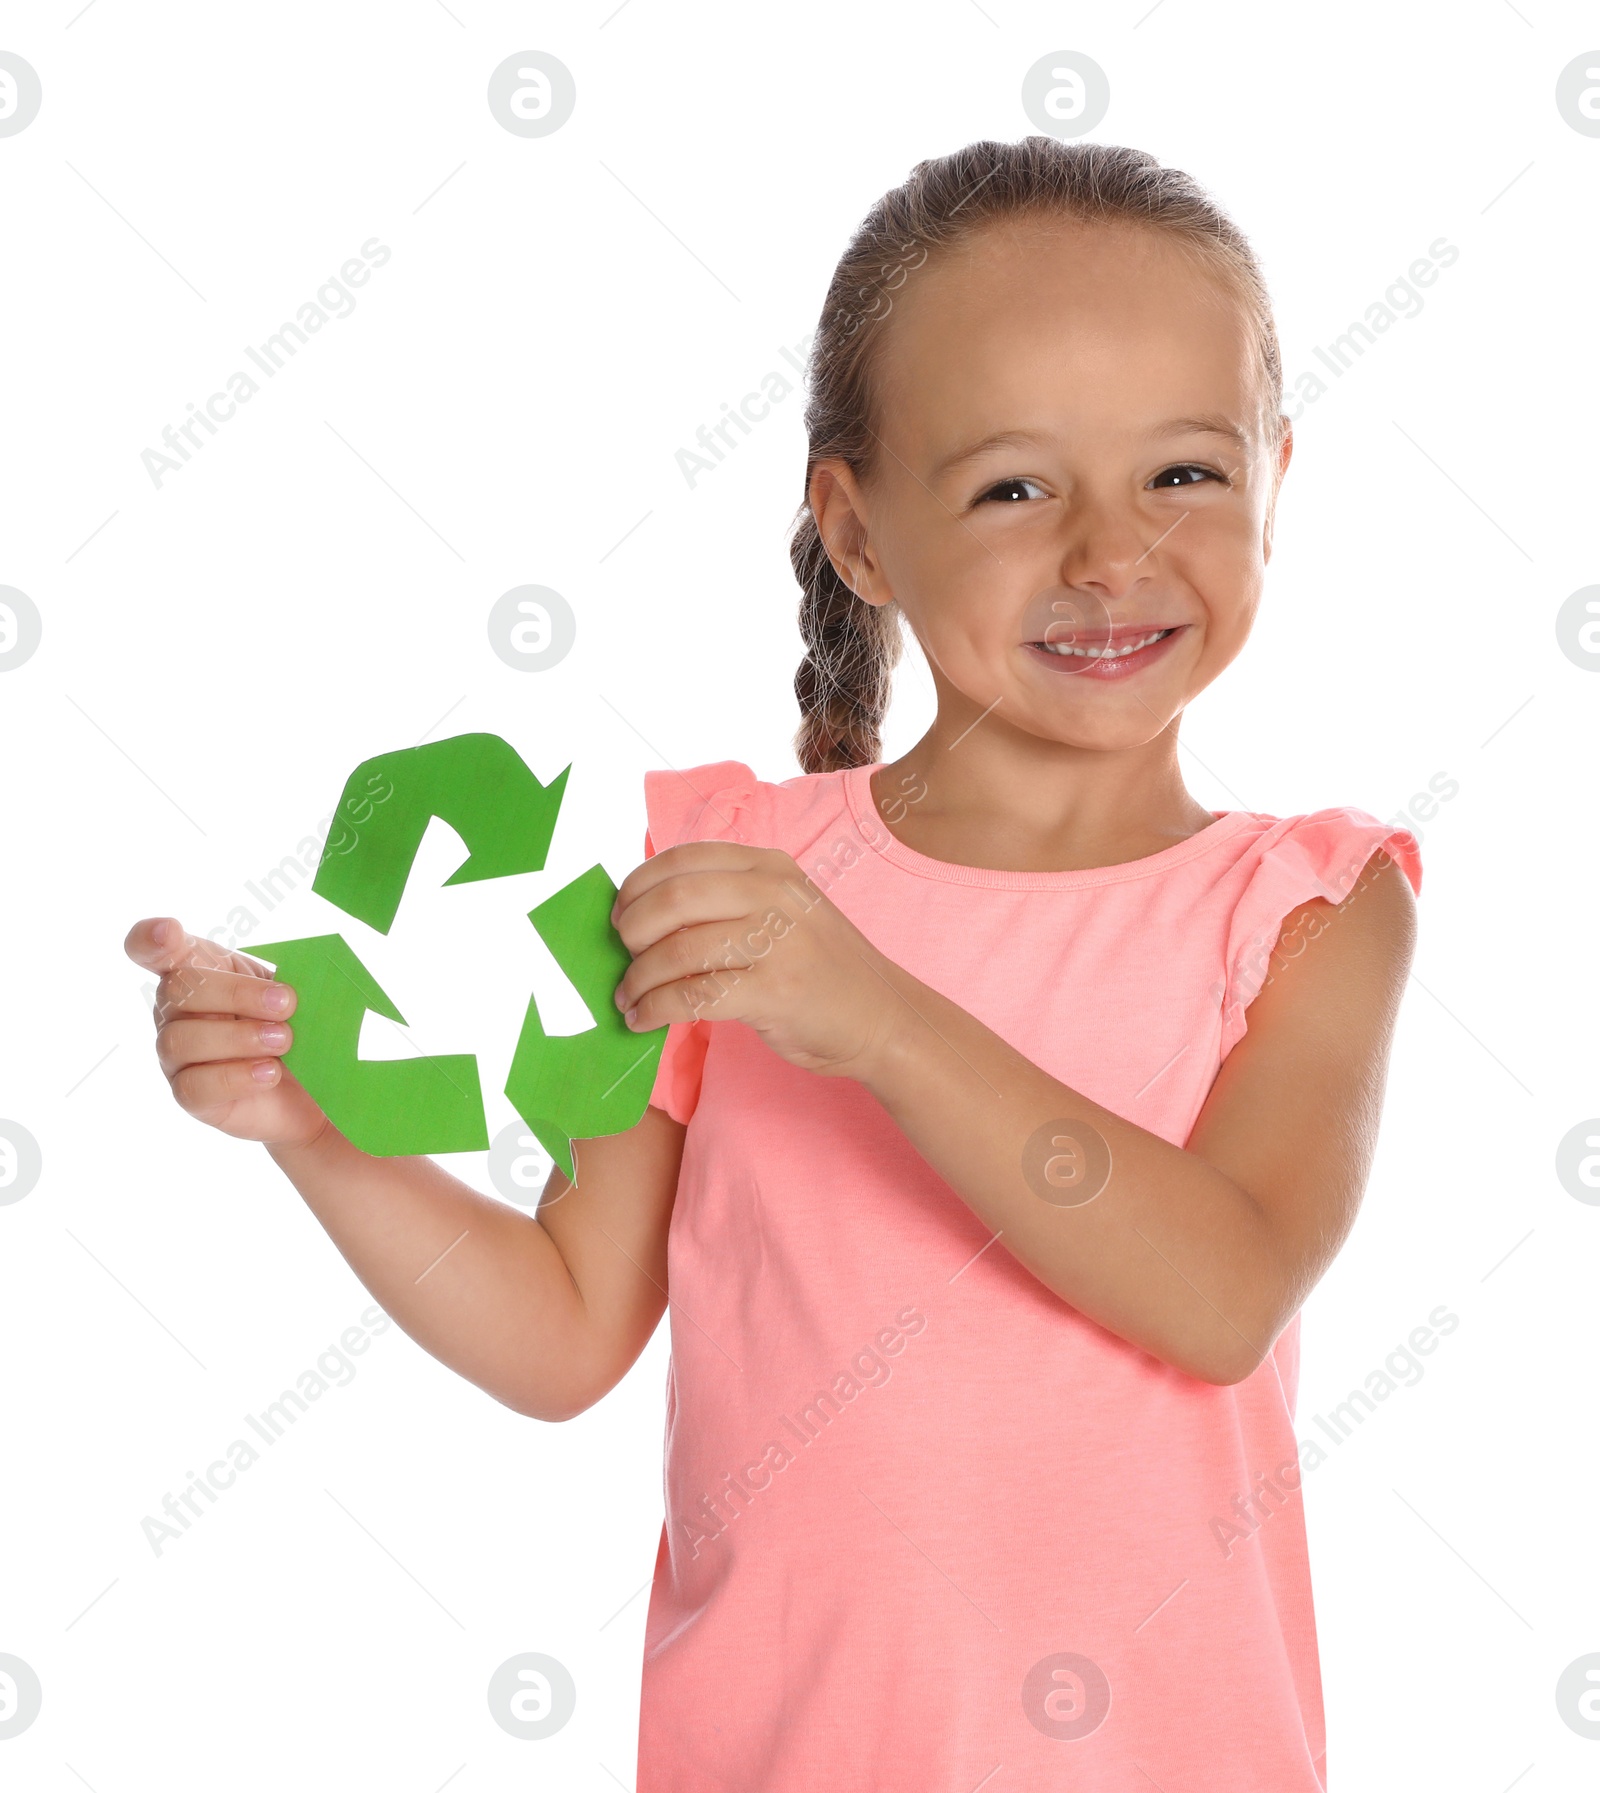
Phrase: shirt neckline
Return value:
(858, 798)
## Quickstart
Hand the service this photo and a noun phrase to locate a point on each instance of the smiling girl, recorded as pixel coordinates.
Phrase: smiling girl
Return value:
(1013, 1101)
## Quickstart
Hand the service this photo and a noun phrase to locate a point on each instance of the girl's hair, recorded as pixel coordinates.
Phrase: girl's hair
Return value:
(852, 646)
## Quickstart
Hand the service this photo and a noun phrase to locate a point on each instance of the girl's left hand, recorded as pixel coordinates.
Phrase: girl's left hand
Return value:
(722, 932)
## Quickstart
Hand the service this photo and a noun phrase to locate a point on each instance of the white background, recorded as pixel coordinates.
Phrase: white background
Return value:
(503, 407)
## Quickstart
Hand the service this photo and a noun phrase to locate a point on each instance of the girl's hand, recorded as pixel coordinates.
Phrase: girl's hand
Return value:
(721, 932)
(221, 1019)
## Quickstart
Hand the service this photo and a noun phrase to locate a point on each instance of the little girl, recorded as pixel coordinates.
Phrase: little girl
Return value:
(1012, 1102)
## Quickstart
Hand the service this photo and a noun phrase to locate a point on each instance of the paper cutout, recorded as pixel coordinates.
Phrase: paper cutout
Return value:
(566, 1087)
(583, 1085)
(479, 784)
(385, 1106)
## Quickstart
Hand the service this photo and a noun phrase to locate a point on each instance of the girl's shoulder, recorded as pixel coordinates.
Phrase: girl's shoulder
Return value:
(724, 800)
(1323, 851)
(1284, 863)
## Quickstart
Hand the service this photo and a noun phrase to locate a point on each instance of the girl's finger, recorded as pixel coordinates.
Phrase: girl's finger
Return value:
(200, 1088)
(709, 996)
(176, 948)
(208, 1041)
(684, 899)
(692, 856)
(192, 990)
(712, 948)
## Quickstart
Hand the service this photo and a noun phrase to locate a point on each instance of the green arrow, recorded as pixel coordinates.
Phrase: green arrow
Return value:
(383, 1106)
(478, 783)
(583, 1085)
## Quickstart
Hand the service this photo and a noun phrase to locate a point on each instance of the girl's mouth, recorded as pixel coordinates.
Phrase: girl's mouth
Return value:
(1127, 652)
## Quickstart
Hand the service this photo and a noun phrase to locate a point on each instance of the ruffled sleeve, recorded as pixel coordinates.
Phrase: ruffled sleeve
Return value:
(714, 802)
(1322, 854)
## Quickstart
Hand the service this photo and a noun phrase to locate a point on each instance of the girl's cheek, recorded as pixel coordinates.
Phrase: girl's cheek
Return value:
(1224, 538)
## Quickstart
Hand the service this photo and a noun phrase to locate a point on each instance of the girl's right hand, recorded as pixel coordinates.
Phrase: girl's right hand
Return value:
(221, 1025)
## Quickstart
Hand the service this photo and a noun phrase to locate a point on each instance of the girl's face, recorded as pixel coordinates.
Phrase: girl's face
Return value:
(1068, 455)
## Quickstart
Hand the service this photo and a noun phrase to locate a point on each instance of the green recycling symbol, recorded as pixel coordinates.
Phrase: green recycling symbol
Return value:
(565, 1087)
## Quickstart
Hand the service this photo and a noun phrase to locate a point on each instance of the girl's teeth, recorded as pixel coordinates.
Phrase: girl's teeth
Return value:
(1104, 653)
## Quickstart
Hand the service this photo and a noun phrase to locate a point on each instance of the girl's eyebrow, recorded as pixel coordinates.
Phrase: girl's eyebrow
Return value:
(999, 439)
(1209, 424)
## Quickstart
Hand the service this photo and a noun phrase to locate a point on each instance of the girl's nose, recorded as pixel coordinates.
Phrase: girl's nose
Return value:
(1109, 551)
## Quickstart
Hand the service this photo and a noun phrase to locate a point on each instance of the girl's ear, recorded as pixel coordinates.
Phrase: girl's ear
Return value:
(840, 508)
(1285, 450)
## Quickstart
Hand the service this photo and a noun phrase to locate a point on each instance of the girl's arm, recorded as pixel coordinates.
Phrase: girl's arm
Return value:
(544, 1312)
(1200, 1255)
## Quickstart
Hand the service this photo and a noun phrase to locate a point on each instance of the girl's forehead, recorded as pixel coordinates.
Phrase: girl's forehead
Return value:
(1030, 280)
(1086, 326)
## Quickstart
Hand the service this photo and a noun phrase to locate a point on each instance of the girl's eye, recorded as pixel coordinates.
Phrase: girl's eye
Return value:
(1166, 475)
(1006, 490)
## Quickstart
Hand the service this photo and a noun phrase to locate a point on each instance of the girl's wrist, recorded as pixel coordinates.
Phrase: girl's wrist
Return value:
(319, 1145)
(883, 1063)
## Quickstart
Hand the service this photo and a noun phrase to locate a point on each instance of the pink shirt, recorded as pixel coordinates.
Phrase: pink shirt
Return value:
(926, 1524)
